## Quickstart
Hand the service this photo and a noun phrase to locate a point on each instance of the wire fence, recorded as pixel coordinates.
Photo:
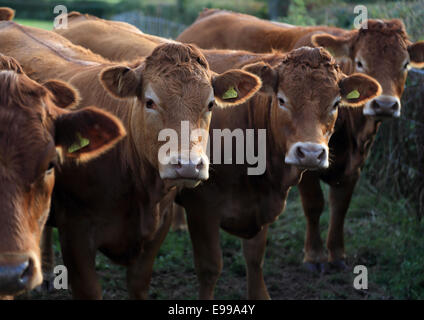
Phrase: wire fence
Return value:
(341, 14)
(151, 25)
(396, 163)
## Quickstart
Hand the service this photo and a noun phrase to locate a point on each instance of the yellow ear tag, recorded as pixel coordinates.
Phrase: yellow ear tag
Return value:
(353, 94)
(230, 94)
(82, 142)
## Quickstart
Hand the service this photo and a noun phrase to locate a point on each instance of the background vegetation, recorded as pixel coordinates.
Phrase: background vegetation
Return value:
(383, 228)
(300, 12)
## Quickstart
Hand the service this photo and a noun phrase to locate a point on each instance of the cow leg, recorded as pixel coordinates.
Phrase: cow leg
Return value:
(204, 233)
(47, 258)
(178, 223)
(254, 252)
(313, 206)
(139, 274)
(80, 260)
(340, 197)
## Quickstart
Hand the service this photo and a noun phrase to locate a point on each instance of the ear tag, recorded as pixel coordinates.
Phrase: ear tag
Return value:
(353, 95)
(230, 94)
(82, 142)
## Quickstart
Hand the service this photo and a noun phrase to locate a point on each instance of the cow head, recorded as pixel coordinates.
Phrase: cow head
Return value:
(36, 136)
(307, 88)
(382, 51)
(170, 88)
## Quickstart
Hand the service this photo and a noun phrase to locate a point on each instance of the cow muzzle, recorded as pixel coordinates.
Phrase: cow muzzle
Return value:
(18, 273)
(383, 107)
(308, 155)
(186, 169)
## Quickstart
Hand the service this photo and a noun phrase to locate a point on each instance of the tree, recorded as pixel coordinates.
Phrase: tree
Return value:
(278, 8)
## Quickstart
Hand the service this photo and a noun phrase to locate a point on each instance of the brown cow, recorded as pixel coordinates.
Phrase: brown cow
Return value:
(112, 204)
(307, 84)
(82, 28)
(35, 138)
(381, 51)
(221, 29)
(75, 16)
(245, 205)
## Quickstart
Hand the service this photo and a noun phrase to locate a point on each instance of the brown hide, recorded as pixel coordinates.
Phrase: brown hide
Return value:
(382, 51)
(114, 200)
(244, 204)
(220, 29)
(33, 144)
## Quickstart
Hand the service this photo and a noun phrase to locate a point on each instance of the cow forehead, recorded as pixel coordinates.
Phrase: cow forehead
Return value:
(24, 143)
(171, 94)
(302, 86)
(382, 46)
(176, 62)
(379, 48)
(178, 76)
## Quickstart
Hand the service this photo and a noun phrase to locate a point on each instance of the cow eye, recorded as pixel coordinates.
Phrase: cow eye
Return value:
(281, 101)
(336, 104)
(359, 65)
(150, 104)
(51, 167)
(406, 65)
(210, 105)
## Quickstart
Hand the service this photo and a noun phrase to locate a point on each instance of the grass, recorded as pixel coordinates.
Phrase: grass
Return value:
(379, 234)
(43, 24)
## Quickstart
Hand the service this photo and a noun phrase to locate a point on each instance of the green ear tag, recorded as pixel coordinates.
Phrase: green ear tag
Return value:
(82, 142)
(230, 94)
(353, 95)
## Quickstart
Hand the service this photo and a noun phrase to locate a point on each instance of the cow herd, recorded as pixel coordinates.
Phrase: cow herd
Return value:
(82, 110)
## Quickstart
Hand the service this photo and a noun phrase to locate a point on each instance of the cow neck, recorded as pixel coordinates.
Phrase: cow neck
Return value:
(360, 127)
(145, 176)
(45, 55)
(278, 174)
(360, 131)
(61, 47)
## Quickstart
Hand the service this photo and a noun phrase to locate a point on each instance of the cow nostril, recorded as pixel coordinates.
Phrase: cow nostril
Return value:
(27, 272)
(375, 105)
(395, 106)
(322, 155)
(178, 165)
(15, 278)
(300, 154)
(200, 165)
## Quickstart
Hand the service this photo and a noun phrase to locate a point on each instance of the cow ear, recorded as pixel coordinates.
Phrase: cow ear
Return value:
(358, 89)
(87, 133)
(416, 54)
(63, 95)
(235, 87)
(268, 75)
(337, 46)
(6, 14)
(121, 81)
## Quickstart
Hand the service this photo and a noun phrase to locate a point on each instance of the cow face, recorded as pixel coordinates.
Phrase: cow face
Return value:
(174, 90)
(35, 137)
(383, 52)
(307, 89)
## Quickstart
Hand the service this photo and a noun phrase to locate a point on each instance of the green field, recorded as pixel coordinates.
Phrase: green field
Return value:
(48, 25)
(380, 234)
